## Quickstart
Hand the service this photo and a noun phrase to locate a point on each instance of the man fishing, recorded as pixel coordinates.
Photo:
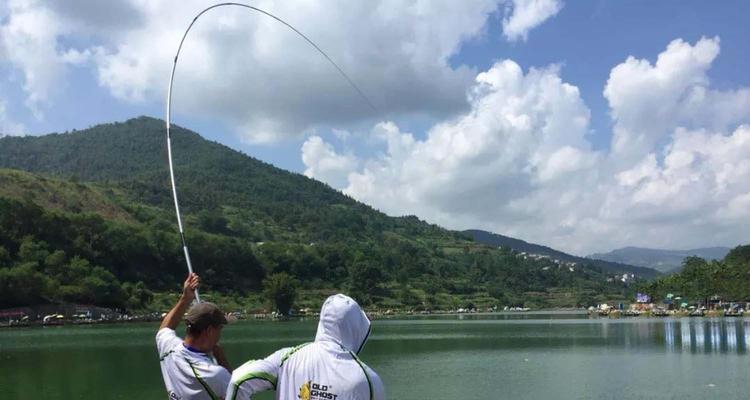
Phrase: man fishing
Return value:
(326, 369)
(194, 368)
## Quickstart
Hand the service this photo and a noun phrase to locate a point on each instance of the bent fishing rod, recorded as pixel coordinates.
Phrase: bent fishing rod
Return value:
(169, 107)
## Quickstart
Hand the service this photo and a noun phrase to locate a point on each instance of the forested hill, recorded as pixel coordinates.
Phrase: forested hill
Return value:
(133, 155)
(494, 239)
(699, 280)
(92, 221)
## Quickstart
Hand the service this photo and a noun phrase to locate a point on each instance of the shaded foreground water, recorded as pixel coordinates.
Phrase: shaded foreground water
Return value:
(506, 356)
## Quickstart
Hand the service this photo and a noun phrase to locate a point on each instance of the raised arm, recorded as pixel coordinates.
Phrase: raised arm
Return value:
(255, 376)
(174, 316)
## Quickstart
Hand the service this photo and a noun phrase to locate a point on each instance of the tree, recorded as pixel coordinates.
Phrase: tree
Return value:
(137, 295)
(4, 257)
(408, 298)
(281, 290)
(736, 272)
(22, 285)
(32, 251)
(213, 222)
(696, 277)
(498, 291)
(364, 281)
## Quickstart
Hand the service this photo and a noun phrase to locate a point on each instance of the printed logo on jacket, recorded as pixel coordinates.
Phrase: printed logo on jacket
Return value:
(316, 391)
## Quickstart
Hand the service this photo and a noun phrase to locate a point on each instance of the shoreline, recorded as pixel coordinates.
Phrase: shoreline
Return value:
(393, 315)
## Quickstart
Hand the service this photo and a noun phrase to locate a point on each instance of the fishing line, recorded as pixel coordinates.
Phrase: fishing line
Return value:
(169, 108)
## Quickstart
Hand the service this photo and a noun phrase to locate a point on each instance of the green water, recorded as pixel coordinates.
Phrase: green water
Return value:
(532, 356)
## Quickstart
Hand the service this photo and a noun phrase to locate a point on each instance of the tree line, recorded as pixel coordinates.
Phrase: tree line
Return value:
(49, 255)
(699, 279)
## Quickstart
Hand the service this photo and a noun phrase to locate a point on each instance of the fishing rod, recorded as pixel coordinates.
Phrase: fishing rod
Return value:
(169, 107)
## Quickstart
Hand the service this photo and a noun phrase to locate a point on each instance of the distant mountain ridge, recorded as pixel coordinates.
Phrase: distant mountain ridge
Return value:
(660, 259)
(494, 239)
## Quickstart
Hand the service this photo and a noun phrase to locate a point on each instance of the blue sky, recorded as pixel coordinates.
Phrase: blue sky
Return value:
(589, 37)
(277, 101)
(586, 38)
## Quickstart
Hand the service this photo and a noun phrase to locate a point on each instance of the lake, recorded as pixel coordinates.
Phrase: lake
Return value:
(495, 356)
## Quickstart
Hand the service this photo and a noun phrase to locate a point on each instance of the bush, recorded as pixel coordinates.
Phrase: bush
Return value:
(281, 290)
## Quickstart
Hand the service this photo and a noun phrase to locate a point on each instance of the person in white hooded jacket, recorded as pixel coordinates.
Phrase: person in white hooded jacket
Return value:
(326, 369)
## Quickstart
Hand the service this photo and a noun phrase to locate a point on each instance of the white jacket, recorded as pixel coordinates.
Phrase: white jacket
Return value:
(326, 369)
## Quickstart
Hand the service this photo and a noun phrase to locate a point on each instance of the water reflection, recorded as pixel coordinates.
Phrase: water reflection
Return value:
(685, 337)
(731, 327)
(669, 334)
(725, 335)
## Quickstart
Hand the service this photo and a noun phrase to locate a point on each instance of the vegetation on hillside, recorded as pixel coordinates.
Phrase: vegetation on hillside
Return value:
(700, 280)
(494, 239)
(93, 223)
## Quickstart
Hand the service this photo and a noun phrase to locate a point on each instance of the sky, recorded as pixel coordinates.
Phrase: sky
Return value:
(583, 125)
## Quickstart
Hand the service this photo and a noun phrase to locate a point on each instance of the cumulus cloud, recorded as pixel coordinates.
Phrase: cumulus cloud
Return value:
(9, 127)
(250, 71)
(692, 193)
(526, 15)
(648, 101)
(253, 73)
(524, 134)
(519, 162)
(324, 163)
(28, 40)
(32, 40)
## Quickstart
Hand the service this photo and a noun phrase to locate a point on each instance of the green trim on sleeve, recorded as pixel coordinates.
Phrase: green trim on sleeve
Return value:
(253, 375)
(203, 383)
(292, 351)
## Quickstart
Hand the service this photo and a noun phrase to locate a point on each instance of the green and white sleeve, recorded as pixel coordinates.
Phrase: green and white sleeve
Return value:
(255, 376)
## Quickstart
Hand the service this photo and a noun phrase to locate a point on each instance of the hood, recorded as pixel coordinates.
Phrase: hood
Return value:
(342, 321)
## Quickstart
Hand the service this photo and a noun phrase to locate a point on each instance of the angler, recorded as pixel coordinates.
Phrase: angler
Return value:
(327, 369)
(194, 368)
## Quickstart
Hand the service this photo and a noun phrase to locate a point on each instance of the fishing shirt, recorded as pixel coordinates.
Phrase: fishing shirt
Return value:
(189, 374)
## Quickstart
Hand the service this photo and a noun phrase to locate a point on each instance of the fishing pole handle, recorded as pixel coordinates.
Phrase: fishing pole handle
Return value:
(190, 271)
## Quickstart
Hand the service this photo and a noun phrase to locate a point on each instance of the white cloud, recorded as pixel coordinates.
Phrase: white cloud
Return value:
(738, 207)
(254, 73)
(524, 133)
(248, 70)
(648, 101)
(251, 72)
(519, 162)
(342, 134)
(31, 39)
(9, 127)
(526, 15)
(28, 40)
(324, 163)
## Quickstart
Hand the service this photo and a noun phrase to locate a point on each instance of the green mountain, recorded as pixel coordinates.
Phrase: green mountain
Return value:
(659, 259)
(614, 266)
(700, 280)
(91, 220)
